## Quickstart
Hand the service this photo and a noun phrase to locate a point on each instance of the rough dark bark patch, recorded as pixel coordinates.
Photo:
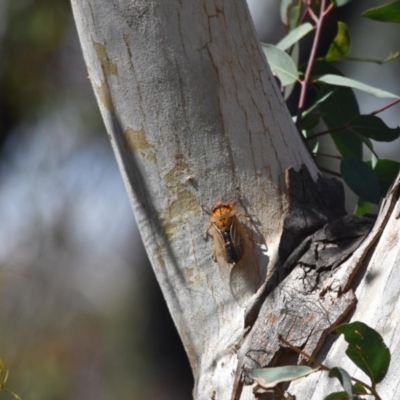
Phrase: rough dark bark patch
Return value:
(311, 205)
(298, 302)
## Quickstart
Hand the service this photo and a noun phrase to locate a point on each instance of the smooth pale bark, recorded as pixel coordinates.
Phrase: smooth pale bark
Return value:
(194, 116)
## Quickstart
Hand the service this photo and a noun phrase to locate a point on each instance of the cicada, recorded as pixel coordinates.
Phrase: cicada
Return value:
(234, 251)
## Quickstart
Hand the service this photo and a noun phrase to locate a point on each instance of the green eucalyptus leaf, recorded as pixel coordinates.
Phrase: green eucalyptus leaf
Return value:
(337, 396)
(361, 179)
(362, 207)
(3, 373)
(386, 171)
(315, 105)
(282, 65)
(392, 56)
(337, 110)
(312, 144)
(294, 36)
(366, 349)
(270, 377)
(340, 45)
(310, 122)
(386, 13)
(374, 160)
(340, 3)
(340, 396)
(344, 379)
(285, 10)
(295, 54)
(374, 128)
(16, 397)
(368, 143)
(347, 82)
(360, 388)
(290, 12)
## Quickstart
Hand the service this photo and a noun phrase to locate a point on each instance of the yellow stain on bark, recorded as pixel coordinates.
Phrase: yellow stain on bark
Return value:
(136, 140)
(109, 68)
(104, 94)
(159, 254)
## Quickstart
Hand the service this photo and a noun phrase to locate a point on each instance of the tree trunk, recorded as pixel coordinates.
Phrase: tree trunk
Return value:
(195, 117)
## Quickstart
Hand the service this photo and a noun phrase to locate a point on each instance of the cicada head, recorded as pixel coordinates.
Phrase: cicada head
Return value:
(222, 215)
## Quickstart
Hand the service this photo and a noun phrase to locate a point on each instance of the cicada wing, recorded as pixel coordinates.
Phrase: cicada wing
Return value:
(220, 256)
(242, 277)
(245, 274)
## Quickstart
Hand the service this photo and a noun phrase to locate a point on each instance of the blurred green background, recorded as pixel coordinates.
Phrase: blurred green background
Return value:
(81, 316)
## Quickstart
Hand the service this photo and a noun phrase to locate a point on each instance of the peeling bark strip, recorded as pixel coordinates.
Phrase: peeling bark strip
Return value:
(304, 307)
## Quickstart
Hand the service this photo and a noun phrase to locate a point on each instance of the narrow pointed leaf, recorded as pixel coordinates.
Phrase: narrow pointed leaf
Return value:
(290, 12)
(344, 379)
(315, 105)
(347, 82)
(294, 36)
(362, 207)
(312, 144)
(392, 56)
(340, 45)
(285, 10)
(282, 65)
(361, 179)
(340, 3)
(295, 54)
(366, 349)
(386, 13)
(270, 377)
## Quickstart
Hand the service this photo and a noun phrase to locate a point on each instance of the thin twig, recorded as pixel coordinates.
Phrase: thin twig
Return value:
(302, 353)
(304, 83)
(328, 131)
(328, 171)
(324, 367)
(379, 110)
(329, 156)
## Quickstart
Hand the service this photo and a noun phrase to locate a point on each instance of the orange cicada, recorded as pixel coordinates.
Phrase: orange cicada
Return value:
(234, 251)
